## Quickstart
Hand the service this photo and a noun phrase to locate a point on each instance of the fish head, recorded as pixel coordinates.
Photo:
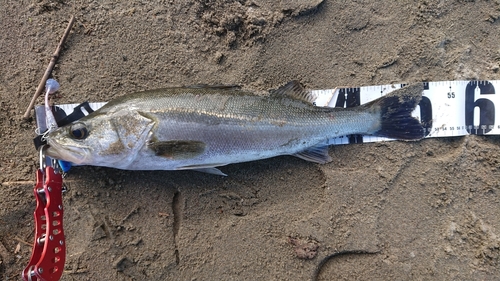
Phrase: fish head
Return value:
(101, 139)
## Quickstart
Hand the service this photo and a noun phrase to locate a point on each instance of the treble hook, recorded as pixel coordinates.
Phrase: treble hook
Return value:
(43, 163)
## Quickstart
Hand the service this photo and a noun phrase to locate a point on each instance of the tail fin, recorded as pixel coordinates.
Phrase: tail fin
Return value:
(395, 113)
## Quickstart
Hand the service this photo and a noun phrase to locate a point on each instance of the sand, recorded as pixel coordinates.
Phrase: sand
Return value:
(426, 210)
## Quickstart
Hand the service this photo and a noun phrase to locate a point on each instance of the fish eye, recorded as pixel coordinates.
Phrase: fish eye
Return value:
(78, 131)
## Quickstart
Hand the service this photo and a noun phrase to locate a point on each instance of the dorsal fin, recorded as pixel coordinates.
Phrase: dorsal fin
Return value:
(294, 90)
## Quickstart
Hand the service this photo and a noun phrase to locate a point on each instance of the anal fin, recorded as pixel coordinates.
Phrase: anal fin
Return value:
(317, 154)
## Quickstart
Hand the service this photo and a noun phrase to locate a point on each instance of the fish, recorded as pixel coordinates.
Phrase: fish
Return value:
(204, 127)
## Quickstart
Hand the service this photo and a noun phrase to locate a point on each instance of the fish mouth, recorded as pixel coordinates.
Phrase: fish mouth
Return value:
(75, 155)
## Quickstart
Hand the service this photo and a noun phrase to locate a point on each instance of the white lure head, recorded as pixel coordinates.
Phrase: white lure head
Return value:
(51, 86)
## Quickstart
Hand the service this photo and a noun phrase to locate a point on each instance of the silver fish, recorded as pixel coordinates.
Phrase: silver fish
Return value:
(201, 128)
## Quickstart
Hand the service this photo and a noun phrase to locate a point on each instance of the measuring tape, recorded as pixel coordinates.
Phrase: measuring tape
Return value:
(447, 108)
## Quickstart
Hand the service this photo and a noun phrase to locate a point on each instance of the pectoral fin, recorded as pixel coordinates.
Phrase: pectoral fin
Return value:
(317, 154)
(178, 149)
